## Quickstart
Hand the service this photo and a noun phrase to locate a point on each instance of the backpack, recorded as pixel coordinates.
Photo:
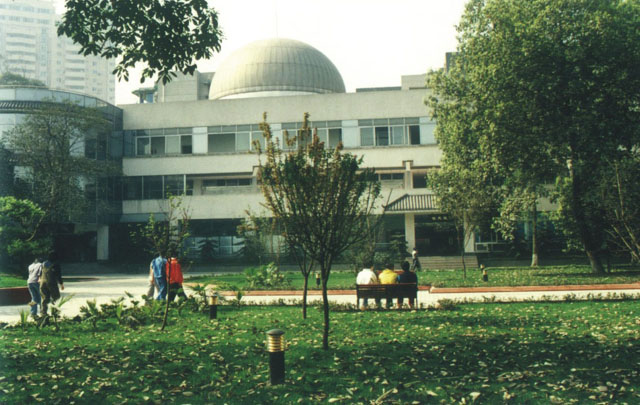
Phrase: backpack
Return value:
(47, 273)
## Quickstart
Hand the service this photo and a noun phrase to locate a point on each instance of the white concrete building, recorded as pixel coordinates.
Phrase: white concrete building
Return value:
(187, 142)
(29, 46)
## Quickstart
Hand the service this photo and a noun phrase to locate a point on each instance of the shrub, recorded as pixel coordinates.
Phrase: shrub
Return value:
(265, 276)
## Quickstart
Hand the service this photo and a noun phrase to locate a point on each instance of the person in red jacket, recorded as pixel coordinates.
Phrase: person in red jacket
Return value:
(175, 279)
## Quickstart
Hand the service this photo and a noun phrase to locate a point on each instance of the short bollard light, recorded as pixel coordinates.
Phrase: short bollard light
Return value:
(275, 347)
(213, 305)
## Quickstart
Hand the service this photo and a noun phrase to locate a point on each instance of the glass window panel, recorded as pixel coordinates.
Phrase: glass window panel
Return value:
(243, 128)
(221, 143)
(242, 141)
(173, 144)
(185, 131)
(365, 123)
(382, 121)
(335, 137)
(143, 146)
(174, 185)
(213, 130)
(157, 145)
(171, 131)
(186, 144)
(152, 187)
(414, 134)
(411, 121)
(419, 180)
(189, 190)
(101, 152)
(153, 132)
(333, 124)
(396, 121)
(257, 137)
(366, 136)
(397, 135)
(90, 146)
(132, 188)
(382, 136)
(322, 136)
(244, 182)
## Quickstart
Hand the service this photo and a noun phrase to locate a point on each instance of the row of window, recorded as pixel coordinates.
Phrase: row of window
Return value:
(160, 187)
(242, 138)
(26, 8)
(24, 19)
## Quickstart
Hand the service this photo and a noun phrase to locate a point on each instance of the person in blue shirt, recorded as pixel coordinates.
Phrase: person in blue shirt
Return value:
(157, 266)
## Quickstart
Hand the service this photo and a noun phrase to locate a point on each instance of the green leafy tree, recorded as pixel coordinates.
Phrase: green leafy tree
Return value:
(166, 35)
(551, 89)
(319, 199)
(20, 237)
(166, 236)
(49, 147)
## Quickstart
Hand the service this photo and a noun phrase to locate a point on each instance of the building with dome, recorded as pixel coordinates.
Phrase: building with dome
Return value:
(194, 136)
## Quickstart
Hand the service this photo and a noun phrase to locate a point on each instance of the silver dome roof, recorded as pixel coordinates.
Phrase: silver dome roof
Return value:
(275, 66)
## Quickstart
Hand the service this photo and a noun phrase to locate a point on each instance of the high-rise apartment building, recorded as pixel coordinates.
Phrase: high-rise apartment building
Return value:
(29, 46)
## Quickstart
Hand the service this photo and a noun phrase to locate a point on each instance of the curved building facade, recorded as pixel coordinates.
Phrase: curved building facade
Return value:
(87, 239)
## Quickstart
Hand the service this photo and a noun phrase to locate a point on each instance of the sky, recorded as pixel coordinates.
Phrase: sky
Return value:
(371, 42)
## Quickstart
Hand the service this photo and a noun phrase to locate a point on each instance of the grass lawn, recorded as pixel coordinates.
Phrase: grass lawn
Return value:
(566, 352)
(502, 276)
(7, 280)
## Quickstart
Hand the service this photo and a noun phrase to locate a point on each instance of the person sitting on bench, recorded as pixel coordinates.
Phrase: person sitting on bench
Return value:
(407, 276)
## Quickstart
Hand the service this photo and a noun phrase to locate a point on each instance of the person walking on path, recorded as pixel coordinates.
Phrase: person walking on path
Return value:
(407, 276)
(367, 276)
(33, 282)
(175, 279)
(415, 260)
(160, 276)
(50, 278)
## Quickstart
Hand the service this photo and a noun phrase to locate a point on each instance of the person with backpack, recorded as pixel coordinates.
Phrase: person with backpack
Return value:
(50, 278)
(33, 282)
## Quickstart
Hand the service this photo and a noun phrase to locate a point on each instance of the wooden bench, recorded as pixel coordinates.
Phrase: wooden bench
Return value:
(387, 291)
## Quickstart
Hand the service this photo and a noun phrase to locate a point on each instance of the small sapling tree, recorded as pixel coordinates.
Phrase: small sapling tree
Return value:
(319, 198)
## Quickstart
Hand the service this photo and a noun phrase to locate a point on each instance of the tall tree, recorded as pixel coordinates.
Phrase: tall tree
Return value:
(552, 87)
(465, 185)
(320, 198)
(166, 35)
(49, 147)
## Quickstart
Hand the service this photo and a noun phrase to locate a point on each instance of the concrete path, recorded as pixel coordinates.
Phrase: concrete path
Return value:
(104, 288)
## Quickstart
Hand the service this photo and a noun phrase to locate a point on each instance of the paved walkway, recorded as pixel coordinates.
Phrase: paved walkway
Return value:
(104, 288)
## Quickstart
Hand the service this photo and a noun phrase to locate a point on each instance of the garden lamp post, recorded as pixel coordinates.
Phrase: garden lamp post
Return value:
(275, 347)
(213, 305)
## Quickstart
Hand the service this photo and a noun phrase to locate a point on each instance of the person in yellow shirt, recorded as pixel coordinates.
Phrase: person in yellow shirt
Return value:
(388, 276)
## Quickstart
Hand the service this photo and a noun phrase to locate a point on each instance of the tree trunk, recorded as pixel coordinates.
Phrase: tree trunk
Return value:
(534, 238)
(461, 243)
(579, 216)
(304, 296)
(325, 307)
(166, 304)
